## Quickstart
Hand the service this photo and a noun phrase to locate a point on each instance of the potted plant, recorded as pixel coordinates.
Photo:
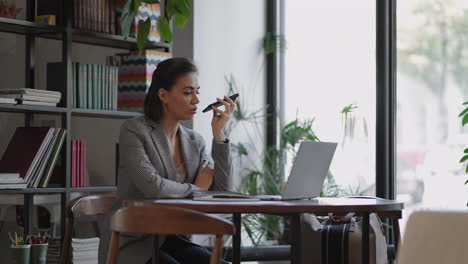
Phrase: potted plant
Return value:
(267, 176)
(178, 10)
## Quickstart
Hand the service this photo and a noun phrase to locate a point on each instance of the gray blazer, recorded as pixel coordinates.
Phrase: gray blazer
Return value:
(147, 171)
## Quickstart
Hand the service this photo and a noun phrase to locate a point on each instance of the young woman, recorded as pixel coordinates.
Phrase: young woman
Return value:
(160, 158)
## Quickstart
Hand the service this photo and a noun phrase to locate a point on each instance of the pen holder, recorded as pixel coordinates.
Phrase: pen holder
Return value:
(20, 254)
(39, 253)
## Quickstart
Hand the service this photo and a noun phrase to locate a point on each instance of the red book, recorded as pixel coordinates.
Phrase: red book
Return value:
(78, 173)
(83, 157)
(73, 163)
(24, 150)
(78, 163)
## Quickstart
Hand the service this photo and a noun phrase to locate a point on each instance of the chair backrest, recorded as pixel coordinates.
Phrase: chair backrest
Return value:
(157, 219)
(435, 237)
(88, 205)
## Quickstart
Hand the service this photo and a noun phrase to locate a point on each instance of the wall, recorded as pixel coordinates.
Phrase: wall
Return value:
(228, 40)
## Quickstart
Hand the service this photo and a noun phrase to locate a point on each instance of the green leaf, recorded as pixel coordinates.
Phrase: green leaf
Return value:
(466, 150)
(240, 149)
(466, 171)
(465, 120)
(465, 103)
(143, 32)
(164, 29)
(348, 108)
(183, 7)
(136, 5)
(180, 21)
(464, 158)
(150, 1)
(238, 112)
(464, 112)
(273, 42)
(170, 10)
(188, 4)
(466, 182)
(269, 43)
(126, 18)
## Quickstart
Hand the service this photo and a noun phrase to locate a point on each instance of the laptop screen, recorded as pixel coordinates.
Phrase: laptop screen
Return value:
(309, 169)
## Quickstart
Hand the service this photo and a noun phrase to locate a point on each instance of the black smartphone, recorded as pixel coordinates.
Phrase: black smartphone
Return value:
(208, 108)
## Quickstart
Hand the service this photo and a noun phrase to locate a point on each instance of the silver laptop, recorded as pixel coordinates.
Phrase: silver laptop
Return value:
(308, 172)
(305, 180)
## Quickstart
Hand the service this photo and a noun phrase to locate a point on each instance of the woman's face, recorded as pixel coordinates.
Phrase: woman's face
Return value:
(180, 103)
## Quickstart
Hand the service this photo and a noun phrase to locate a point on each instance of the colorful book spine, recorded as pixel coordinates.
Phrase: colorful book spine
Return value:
(79, 167)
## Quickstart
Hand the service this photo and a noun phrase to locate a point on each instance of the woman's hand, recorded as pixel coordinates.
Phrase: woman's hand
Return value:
(220, 118)
(204, 177)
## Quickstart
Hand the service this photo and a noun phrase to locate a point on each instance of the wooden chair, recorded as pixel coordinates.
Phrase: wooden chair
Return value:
(433, 237)
(89, 205)
(164, 220)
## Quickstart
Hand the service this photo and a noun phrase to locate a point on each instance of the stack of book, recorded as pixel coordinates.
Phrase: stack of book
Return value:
(30, 157)
(53, 251)
(4, 100)
(85, 250)
(29, 96)
(78, 163)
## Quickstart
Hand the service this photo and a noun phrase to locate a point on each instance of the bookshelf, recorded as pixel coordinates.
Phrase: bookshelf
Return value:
(32, 109)
(15, 26)
(67, 35)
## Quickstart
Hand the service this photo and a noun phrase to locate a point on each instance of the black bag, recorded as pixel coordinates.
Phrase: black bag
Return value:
(339, 240)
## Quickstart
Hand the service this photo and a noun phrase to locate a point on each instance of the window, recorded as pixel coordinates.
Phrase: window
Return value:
(432, 84)
(329, 64)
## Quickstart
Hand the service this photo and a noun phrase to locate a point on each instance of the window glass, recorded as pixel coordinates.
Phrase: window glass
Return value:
(432, 84)
(329, 65)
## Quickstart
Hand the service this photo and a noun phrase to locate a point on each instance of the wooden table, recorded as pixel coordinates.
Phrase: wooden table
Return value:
(362, 206)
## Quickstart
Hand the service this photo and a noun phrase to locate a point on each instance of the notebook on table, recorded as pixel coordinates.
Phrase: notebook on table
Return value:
(305, 180)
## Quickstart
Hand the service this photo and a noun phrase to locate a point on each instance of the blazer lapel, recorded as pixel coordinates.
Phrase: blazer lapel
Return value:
(190, 153)
(162, 146)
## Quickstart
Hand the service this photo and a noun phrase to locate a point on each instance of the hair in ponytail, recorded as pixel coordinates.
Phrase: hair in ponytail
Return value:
(164, 77)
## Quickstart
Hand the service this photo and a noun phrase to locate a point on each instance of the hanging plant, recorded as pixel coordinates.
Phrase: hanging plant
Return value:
(179, 10)
(273, 42)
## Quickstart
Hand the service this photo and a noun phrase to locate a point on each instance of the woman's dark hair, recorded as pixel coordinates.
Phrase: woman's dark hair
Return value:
(164, 77)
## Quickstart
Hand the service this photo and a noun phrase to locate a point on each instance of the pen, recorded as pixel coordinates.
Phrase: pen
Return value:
(12, 241)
